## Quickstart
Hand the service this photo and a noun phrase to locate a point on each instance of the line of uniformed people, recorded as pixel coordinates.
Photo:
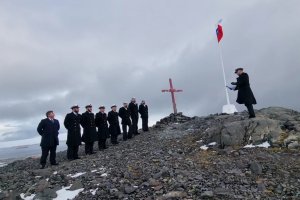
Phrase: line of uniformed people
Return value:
(97, 127)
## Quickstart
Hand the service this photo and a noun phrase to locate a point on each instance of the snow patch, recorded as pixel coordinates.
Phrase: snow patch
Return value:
(76, 175)
(22, 195)
(104, 175)
(263, 145)
(212, 144)
(205, 147)
(55, 172)
(65, 193)
(93, 191)
(93, 170)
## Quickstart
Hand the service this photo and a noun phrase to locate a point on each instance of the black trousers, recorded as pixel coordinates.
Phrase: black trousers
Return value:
(250, 110)
(45, 152)
(135, 122)
(72, 152)
(102, 144)
(145, 124)
(127, 134)
(89, 147)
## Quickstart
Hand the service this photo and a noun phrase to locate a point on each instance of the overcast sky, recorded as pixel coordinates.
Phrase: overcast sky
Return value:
(53, 55)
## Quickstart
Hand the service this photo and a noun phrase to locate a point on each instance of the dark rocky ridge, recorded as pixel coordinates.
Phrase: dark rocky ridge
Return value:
(168, 163)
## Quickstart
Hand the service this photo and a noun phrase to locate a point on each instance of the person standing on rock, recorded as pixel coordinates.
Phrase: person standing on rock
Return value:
(245, 95)
(72, 124)
(134, 114)
(143, 110)
(48, 128)
(114, 126)
(124, 113)
(101, 124)
(89, 135)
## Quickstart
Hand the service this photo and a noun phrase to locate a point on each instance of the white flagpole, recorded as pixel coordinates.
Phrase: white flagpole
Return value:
(224, 76)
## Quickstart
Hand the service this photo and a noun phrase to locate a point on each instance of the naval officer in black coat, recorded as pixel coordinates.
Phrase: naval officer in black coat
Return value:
(124, 113)
(134, 114)
(89, 135)
(72, 124)
(114, 126)
(101, 124)
(245, 95)
(143, 110)
(48, 128)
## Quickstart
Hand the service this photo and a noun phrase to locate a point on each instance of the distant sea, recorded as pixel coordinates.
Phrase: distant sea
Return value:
(21, 149)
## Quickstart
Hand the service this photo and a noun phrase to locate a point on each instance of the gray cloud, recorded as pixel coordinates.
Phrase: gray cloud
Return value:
(55, 55)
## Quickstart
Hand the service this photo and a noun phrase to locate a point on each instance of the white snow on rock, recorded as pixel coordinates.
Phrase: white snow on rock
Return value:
(93, 191)
(263, 145)
(104, 175)
(212, 144)
(93, 170)
(28, 197)
(55, 172)
(65, 193)
(205, 147)
(76, 175)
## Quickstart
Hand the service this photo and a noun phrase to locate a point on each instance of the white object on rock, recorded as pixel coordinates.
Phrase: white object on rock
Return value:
(229, 109)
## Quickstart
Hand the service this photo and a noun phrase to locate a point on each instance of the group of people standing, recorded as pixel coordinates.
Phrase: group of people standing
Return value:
(97, 127)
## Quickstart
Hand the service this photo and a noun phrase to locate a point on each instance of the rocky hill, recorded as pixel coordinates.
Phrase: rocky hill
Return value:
(180, 158)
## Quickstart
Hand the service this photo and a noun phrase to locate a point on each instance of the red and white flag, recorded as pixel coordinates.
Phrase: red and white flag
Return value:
(219, 31)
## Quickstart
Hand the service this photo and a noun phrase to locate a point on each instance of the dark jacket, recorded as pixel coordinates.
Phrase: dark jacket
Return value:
(101, 124)
(89, 127)
(114, 126)
(245, 94)
(143, 110)
(72, 124)
(134, 110)
(125, 116)
(49, 132)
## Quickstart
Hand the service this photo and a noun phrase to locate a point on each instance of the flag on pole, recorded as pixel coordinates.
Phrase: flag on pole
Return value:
(219, 31)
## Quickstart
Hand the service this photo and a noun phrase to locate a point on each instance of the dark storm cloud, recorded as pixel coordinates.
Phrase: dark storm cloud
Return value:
(56, 55)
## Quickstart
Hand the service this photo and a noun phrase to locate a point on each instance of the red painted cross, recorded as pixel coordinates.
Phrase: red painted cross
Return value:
(172, 91)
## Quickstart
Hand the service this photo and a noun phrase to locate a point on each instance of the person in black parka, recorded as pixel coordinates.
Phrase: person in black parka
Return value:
(72, 124)
(101, 124)
(48, 128)
(143, 110)
(245, 95)
(114, 126)
(124, 113)
(89, 135)
(134, 114)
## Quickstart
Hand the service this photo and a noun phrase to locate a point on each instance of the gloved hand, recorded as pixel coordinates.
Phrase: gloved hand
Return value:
(234, 83)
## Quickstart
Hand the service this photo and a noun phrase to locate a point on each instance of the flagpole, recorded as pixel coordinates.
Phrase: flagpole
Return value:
(223, 69)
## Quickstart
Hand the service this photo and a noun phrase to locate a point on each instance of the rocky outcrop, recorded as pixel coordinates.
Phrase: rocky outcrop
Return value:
(278, 126)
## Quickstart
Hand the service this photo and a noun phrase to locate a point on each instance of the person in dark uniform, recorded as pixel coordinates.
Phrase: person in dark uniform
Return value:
(89, 135)
(245, 94)
(124, 113)
(72, 124)
(114, 126)
(134, 114)
(48, 128)
(143, 110)
(101, 124)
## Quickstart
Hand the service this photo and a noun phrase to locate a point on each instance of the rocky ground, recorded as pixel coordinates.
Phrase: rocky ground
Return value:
(169, 163)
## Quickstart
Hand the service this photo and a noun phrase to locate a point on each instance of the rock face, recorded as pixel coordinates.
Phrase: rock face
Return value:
(168, 163)
(279, 126)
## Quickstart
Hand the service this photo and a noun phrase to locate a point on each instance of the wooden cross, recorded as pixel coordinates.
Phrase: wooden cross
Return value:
(172, 91)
